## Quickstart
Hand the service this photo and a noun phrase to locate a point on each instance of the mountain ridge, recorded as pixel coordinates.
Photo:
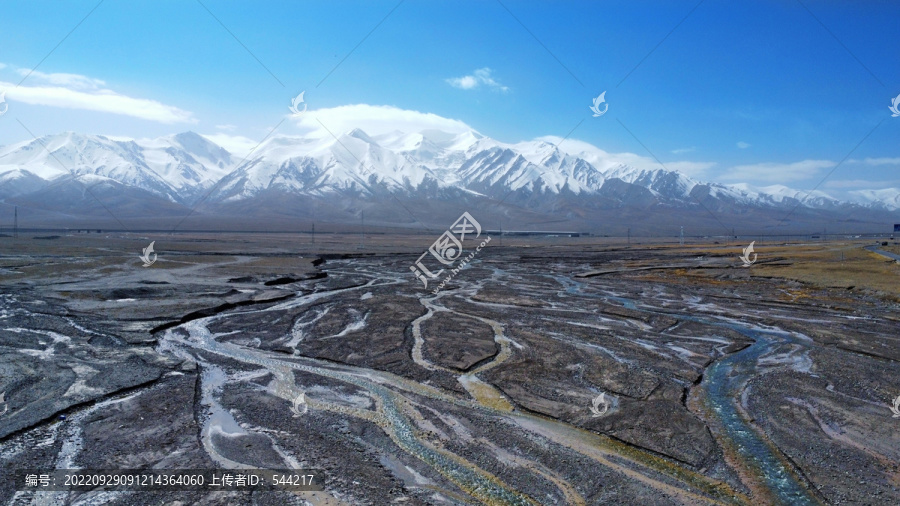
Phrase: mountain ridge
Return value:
(360, 172)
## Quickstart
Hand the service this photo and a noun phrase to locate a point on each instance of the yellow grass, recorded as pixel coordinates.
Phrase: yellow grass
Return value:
(822, 266)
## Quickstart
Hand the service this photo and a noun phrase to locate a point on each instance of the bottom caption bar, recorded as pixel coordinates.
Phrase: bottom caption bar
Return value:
(61, 480)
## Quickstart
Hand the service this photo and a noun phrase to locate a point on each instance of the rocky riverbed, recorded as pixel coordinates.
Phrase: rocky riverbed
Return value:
(590, 375)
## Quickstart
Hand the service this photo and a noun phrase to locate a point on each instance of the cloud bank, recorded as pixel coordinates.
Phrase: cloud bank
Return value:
(74, 91)
(374, 120)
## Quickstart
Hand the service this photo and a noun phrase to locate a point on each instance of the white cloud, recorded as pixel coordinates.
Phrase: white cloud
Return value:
(237, 145)
(75, 91)
(743, 145)
(776, 172)
(860, 184)
(681, 151)
(75, 81)
(101, 100)
(374, 120)
(227, 128)
(604, 160)
(479, 77)
(464, 82)
(879, 161)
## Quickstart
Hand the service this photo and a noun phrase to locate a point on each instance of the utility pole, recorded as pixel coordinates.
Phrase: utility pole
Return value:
(501, 232)
(16, 223)
(314, 232)
(629, 235)
(681, 239)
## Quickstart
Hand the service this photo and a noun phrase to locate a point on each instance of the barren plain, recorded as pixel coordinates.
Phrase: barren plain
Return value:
(549, 371)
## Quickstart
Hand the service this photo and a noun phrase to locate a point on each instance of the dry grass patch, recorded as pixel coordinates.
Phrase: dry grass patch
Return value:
(824, 266)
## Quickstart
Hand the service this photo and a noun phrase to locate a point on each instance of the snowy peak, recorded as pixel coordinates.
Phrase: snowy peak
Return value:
(201, 149)
(187, 161)
(887, 198)
(54, 155)
(667, 184)
(356, 161)
(561, 171)
(176, 167)
(15, 181)
(182, 168)
(358, 133)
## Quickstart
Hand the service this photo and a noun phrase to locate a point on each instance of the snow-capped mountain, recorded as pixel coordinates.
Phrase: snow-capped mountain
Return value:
(187, 161)
(887, 198)
(176, 167)
(18, 182)
(353, 161)
(430, 169)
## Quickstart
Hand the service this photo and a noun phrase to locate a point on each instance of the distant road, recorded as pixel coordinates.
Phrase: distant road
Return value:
(874, 249)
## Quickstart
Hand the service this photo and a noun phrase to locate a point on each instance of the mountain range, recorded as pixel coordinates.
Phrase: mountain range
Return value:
(401, 180)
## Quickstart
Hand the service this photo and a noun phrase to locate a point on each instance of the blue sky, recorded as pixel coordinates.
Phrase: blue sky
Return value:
(763, 92)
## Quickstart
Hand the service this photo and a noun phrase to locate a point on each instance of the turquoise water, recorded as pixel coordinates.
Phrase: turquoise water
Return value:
(723, 381)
